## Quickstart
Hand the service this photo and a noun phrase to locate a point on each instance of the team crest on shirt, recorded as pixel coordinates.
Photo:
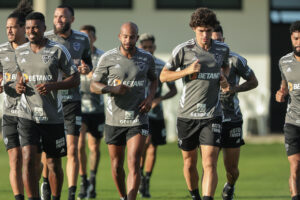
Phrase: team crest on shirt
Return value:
(46, 58)
(218, 58)
(141, 65)
(76, 46)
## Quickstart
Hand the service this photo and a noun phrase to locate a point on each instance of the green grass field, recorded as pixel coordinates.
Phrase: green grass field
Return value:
(264, 175)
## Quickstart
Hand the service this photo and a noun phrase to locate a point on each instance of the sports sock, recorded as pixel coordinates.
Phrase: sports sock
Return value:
(19, 197)
(208, 198)
(45, 180)
(55, 197)
(297, 197)
(83, 177)
(148, 174)
(72, 192)
(195, 194)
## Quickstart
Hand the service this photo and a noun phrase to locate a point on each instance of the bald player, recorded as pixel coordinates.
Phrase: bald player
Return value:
(123, 74)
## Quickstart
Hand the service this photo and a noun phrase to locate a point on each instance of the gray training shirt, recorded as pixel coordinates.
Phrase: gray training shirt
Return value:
(114, 69)
(290, 70)
(8, 69)
(91, 103)
(200, 94)
(157, 112)
(47, 65)
(230, 102)
(79, 47)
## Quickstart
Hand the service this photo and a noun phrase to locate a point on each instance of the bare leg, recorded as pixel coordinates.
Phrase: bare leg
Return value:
(15, 164)
(56, 175)
(81, 150)
(72, 163)
(294, 181)
(190, 168)
(231, 161)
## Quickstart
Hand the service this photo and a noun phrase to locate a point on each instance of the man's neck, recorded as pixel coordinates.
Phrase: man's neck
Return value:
(18, 42)
(204, 46)
(65, 34)
(297, 58)
(36, 47)
(128, 54)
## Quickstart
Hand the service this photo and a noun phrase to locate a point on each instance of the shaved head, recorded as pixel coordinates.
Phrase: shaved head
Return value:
(129, 27)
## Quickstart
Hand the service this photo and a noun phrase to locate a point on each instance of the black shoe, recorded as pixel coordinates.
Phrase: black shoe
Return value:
(146, 193)
(83, 190)
(91, 191)
(142, 185)
(228, 192)
(45, 191)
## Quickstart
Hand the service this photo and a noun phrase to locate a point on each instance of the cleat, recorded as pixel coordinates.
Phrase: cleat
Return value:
(142, 185)
(228, 192)
(91, 193)
(146, 193)
(83, 190)
(45, 191)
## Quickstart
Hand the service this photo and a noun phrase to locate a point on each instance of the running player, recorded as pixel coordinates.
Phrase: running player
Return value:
(122, 73)
(92, 108)
(157, 131)
(15, 30)
(232, 134)
(78, 45)
(41, 63)
(289, 66)
(200, 113)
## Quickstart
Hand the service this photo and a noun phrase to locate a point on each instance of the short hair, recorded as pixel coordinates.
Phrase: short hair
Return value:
(295, 27)
(203, 17)
(23, 9)
(36, 16)
(147, 36)
(89, 28)
(70, 8)
(218, 29)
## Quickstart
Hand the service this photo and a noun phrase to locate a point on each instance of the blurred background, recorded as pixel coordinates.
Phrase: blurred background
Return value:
(256, 29)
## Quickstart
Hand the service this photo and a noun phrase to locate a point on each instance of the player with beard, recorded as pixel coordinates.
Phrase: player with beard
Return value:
(232, 134)
(123, 73)
(15, 29)
(41, 64)
(157, 131)
(93, 118)
(199, 118)
(289, 66)
(78, 45)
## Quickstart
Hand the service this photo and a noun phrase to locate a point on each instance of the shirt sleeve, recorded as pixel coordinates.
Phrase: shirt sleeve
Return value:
(66, 64)
(243, 69)
(282, 74)
(151, 74)
(176, 60)
(100, 73)
(226, 58)
(86, 55)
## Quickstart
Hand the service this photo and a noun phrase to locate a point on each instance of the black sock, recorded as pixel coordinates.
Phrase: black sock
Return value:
(72, 191)
(297, 197)
(83, 178)
(123, 198)
(195, 194)
(93, 173)
(148, 174)
(55, 197)
(208, 198)
(34, 198)
(45, 180)
(19, 197)
(142, 171)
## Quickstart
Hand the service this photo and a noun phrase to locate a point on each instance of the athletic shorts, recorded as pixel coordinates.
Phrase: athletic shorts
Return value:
(119, 135)
(157, 130)
(10, 132)
(50, 137)
(232, 135)
(195, 132)
(94, 124)
(72, 117)
(292, 139)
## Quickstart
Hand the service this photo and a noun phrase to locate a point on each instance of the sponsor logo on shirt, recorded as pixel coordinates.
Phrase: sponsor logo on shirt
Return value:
(293, 86)
(205, 76)
(46, 58)
(10, 77)
(24, 52)
(129, 121)
(37, 77)
(117, 82)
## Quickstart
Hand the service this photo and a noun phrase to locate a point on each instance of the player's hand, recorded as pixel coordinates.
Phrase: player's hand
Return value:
(44, 88)
(119, 89)
(280, 95)
(194, 67)
(1, 86)
(145, 106)
(83, 68)
(156, 102)
(225, 87)
(20, 86)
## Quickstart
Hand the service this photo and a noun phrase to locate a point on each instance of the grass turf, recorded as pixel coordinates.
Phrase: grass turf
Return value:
(264, 172)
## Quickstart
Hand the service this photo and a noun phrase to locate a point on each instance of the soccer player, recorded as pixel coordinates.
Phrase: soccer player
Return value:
(232, 134)
(41, 63)
(200, 114)
(15, 30)
(289, 66)
(123, 73)
(78, 45)
(92, 108)
(157, 132)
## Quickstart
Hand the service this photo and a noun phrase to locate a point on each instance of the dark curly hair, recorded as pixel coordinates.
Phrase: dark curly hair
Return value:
(203, 17)
(23, 9)
(295, 27)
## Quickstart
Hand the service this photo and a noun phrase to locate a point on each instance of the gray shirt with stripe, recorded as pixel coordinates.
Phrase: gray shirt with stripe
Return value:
(157, 112)
(114, 69)
(200, 94)
(230, 102)
(9, 70)
(47, 65)
(79, 47)
(91, 103)
(290, 70)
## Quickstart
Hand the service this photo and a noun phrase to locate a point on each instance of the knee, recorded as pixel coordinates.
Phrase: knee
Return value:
(53, 165)
(15, 161)
(209, 166)
(116, 168)
(190, 164)
(94, 149)
(72, 150)
(295, 168)
(81, 147)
